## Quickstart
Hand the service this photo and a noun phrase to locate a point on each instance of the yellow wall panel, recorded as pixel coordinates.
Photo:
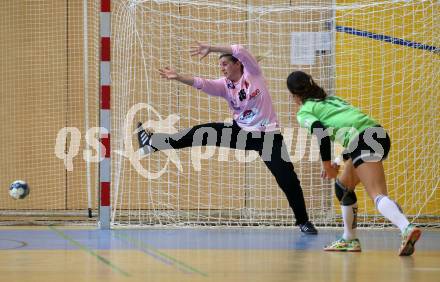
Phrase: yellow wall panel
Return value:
(395, 84)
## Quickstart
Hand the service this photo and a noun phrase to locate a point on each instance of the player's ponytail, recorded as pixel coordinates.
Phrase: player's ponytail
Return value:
(302, 85)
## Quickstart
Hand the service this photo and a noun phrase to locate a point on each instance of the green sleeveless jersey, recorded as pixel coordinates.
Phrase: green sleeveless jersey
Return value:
(343, 121)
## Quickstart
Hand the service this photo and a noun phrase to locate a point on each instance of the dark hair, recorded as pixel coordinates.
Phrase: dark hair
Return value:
(232, 58)
(302, 85)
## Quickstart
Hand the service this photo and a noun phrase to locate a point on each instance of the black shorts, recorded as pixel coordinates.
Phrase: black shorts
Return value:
(371, 145)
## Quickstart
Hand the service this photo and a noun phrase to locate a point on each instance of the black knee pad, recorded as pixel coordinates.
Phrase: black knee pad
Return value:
(345, 197)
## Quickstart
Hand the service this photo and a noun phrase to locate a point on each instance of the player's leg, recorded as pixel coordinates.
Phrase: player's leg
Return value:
(344, 190)
(209, 134)
(372, 176)
(369, 168)
(278, 162)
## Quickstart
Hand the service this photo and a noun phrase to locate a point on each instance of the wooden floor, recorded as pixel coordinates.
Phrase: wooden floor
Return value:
(232, 254)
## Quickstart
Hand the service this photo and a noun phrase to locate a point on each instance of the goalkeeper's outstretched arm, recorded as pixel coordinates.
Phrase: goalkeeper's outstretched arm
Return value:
(172, 74)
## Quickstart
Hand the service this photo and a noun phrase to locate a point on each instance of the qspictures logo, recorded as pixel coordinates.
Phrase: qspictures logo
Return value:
(67, 144)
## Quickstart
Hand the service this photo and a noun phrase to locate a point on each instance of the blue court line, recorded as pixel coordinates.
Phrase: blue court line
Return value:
(208, 239)
(389, 39)
(86, 249)
(150, 250)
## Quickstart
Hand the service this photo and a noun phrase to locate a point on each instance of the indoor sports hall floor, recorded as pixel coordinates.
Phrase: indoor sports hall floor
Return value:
(56, 253)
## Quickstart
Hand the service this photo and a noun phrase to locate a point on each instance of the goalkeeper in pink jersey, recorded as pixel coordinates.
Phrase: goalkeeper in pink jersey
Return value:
(366, 145)
(254, 126)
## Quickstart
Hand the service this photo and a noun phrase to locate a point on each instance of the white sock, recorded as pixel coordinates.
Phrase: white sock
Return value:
(349, 216)
(391, 211)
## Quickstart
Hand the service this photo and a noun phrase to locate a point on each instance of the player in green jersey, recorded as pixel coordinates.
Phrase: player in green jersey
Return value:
(366, 145)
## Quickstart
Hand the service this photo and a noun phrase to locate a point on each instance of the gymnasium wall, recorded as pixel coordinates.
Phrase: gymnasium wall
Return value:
(42, 91)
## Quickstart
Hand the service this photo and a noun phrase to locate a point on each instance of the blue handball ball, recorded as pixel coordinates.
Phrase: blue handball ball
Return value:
(19, 189)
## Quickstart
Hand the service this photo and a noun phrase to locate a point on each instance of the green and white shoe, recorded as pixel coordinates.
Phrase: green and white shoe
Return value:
(343, 245)
(409, 238)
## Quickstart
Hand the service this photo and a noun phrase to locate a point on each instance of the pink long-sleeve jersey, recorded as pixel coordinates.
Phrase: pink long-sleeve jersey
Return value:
(248, 98)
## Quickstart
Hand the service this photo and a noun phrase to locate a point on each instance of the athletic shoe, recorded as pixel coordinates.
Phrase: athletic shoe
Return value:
(409, 237)
(343, 245)
(308, 228)
(144, 137)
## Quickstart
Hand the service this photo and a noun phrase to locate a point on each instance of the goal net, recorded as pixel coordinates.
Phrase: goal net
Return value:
(379, 55)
